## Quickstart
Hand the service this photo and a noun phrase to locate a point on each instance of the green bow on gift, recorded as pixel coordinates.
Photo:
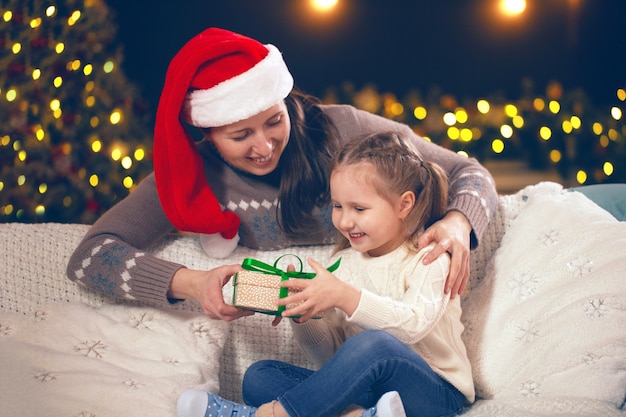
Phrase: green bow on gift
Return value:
(254, 265)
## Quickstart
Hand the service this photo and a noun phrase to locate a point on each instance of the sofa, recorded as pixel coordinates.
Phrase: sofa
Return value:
(544, 316)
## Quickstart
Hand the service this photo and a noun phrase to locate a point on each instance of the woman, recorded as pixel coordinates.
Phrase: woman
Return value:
(260, 174)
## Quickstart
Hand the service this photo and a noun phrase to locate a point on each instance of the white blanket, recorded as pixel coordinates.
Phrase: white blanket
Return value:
(69, 359)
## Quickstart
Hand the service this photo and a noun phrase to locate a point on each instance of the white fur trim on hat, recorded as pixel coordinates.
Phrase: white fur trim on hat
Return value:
(242, 96)
(216, 246)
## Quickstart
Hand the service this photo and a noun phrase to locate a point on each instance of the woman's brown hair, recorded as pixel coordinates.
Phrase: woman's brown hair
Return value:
(305, 164)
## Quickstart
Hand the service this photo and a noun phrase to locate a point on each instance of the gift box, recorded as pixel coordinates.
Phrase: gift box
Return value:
(259, 286)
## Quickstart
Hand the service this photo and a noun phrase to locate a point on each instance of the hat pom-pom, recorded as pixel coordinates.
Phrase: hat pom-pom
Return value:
(217, 246)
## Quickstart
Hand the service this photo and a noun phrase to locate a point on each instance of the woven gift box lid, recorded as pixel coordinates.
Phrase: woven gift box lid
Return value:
(258, 287)
(256, 291)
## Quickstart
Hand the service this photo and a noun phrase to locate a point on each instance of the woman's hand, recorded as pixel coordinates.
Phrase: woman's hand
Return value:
(319, 294)
(452, 235)
(206, 288)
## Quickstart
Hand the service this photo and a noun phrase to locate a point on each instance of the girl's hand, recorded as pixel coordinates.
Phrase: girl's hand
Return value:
(321, 293)
(206, 288)
(452, 235)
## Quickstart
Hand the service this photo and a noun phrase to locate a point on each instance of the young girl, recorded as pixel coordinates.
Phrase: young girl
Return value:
(389, 331)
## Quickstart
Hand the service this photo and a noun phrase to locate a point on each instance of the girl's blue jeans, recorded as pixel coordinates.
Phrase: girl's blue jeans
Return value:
(366, 366)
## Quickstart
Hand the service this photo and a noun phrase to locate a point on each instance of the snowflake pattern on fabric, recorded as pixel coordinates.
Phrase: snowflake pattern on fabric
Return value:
(114, 256)
(172, 361)
(527, 332)
(103, 285)
(590, 358)
(41, 315)
(44, 377)
(5, 329)
(140, 321)
(549, 238)
(132, 384)
(522, 285)
(596, 308)
(265, 229)
(580, 267)
(201, 329)
(529, 388)
(91, 348)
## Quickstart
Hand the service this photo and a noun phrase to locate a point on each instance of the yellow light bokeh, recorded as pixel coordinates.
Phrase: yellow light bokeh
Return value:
(506, 131)
(139, 154)
(96, 146)
(597, 128)
(108, 67)
(115, 117)
(616, 113)
(539, 104)
(483, 106)
(324, 5)
(555, 155)
(127, 162)
(581, 177)
(545, 133)
(510, 110)
(420, 113)
(461, 116)
(11, 95)
(449, 119)
(497, 145)
(454, 133)
(128, 182)
(566, 126)
(466, 135)
(554, 106)
(512, 7)
(71, 21)
(116, 154)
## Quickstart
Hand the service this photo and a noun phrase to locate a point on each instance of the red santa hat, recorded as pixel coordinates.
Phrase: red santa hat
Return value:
(217, 78)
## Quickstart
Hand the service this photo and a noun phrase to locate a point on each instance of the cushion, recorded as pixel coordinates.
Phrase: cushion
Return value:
(611, 197)
(554, 290)
(70, 359)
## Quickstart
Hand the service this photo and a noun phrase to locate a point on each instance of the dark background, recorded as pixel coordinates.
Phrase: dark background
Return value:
(463, 47)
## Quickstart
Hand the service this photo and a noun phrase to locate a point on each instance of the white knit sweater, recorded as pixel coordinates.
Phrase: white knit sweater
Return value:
(404, 297)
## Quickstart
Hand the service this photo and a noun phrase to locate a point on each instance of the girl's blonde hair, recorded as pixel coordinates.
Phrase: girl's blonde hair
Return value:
(399, 168)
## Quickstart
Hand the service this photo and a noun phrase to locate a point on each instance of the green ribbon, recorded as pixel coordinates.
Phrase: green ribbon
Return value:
(255, 265)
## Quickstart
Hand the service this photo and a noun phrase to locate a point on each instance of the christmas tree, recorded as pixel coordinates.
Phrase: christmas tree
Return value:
(74, 137)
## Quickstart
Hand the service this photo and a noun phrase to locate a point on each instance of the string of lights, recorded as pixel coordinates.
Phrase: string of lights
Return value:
(75, 136)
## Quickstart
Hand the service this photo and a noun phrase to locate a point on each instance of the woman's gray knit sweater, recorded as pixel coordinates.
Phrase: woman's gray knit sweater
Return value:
(111, 259)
